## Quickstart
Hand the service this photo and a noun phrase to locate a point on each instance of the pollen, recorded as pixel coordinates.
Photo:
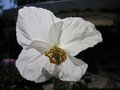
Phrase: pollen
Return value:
(56, 55)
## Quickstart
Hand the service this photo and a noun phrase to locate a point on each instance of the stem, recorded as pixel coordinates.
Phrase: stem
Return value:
(63, 85)
(60, 85)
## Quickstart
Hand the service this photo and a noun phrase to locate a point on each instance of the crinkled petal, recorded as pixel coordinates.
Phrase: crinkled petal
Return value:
(34, 66)
(78, 35)
(72, 69)
(39, 45)
(55, 32)
(34, 24)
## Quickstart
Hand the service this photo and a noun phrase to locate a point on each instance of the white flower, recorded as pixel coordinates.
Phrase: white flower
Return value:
(49, 44)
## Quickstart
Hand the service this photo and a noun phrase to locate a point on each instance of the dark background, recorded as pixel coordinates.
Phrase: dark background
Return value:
(103, 59)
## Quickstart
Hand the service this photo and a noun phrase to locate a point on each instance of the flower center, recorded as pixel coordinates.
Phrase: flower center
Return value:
(56, 55)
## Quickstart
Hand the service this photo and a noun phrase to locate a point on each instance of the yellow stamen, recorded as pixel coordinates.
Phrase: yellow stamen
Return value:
(56, 55)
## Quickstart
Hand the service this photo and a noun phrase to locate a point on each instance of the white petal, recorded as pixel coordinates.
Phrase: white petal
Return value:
(78, 35)
(72, 72)
(55, 32)
(34, 24)
(40, 46)
(34, 66)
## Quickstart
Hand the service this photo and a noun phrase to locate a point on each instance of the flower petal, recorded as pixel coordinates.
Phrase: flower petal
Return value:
(78, 35)
(34, 24)
(72, 71)
(55, 32)
(39, 45)
(34, 66)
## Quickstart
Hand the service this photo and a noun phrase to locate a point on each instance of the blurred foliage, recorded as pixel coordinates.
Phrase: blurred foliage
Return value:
(8, 44)
(10, 79)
